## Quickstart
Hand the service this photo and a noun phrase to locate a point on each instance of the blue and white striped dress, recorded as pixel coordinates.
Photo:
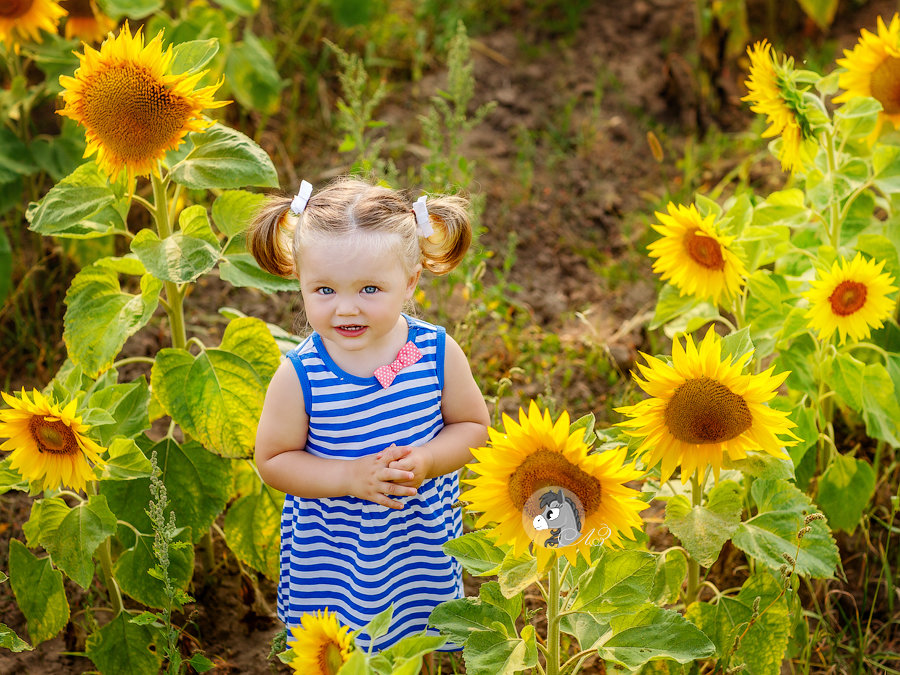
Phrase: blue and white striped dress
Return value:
(351, 555)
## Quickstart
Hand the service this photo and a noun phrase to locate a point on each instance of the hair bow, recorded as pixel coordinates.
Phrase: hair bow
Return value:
(423, 220)
(298, 203)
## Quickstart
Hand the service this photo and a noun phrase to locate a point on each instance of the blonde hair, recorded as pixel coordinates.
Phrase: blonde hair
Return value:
(347, 206)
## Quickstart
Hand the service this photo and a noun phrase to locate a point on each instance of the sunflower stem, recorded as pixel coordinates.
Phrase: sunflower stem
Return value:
(104, 554)
(553, 617)
(693, 579)
(834, 229)
(174, 298)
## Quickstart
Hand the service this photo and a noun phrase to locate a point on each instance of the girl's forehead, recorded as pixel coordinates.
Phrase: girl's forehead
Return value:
(372, 252)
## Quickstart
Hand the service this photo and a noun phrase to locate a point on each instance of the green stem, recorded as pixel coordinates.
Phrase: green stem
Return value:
(834, 229)
(174, 297)
(104, 554)
(693, 579)
(553, 619)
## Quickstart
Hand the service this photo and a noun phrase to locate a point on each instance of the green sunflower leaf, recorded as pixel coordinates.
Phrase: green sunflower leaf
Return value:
(253, 531)
(191, 56)
(492, 653)
(460, 619)
(234, 209)
(476, 552)
(39, 592)
(517, 573)
(128, 404)
(857, 118)
(123, 647)
(183, 256)
(242, 271)
(845, 490)
(252, 75)
(133, 569)
(622, 578)
(671, 570)
(125, 461)
(9, 640)
(83, 204)
(100, 317)
(224, 158)
(773, 531)
(198, 485)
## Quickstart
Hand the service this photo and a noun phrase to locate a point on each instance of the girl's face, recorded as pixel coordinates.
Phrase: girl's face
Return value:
(354, 289)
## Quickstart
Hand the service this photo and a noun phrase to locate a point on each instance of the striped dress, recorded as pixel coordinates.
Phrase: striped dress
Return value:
(351, 555)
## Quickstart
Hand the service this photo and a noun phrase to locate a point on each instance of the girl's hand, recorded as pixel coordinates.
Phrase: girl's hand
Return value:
(374, 479)
(418, 461)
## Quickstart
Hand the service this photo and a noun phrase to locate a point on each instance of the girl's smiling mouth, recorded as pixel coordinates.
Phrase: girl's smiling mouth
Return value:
(350, 330)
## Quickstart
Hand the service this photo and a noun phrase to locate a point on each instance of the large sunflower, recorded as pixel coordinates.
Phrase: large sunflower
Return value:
(48, 443)
(27, 18)
(873, 69)
(86, 21)
(321, 644)
(132, 108)
(773, 93)
(702, 407)
(535, 455)
(695, 256)
(851, 299)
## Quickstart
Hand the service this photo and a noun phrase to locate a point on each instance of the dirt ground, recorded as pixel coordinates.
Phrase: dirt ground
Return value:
(592, 170)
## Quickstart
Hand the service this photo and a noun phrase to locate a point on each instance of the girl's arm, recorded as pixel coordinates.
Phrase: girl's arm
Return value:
(466, 420)
(284, 464)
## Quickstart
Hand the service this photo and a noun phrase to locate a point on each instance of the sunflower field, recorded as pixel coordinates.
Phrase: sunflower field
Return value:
(681, 306)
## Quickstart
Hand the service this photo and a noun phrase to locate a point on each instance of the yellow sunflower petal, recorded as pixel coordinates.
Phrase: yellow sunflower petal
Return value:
(132, 108)
(48, 445)
(22, 20)
(713, 410)
(320, 644)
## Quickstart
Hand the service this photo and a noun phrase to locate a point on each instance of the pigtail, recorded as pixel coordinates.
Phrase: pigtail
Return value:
(444, 250)
(270, 236)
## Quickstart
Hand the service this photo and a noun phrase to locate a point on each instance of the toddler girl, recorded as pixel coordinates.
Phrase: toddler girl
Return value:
(366, 423)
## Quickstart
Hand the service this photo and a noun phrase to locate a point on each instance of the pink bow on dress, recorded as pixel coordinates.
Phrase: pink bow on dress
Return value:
(408, 355)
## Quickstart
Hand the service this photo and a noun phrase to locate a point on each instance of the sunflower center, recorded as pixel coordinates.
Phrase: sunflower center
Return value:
(53, 437)
(79, 9)
(847, 298)
(13, 9)
(545, 468)
(885, 85)
(330, 659)
(704, 410)
(132, 112)
(705, 251)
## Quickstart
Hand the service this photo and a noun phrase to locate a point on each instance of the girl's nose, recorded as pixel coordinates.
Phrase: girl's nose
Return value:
(347, 306)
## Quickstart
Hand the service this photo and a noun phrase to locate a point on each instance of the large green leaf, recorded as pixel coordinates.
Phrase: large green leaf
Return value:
(123, 647)
(253, 530)
(857, 117)
(100, 317)
(9, 640)
(460, 619)
(869, 390)
(39, 592)
(184, 255)
(133, 9)
(128, 404)
(762, 648)
(242, 271)
(621, 578)
(845, 490)
(72, 539)
(125, 461)
(703, 530)
(671, 570)
(772, 532)
(224, 158)
(252, 75)
(83, 204)
(191, 56)
(493, 653)
(517, 572)
(234, 209)
(198, 485)
(217, 396)
(476, 552)
(132, 569)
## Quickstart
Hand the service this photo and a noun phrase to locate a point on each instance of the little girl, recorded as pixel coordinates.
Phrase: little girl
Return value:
(366, 423)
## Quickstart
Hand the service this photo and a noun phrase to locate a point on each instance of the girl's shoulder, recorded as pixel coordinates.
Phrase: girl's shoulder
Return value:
(419, 327)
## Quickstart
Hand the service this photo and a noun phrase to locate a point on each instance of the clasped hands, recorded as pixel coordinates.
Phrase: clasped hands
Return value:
(395, 471)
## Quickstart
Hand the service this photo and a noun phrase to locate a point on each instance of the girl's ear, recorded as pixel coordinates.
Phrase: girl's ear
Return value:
(413, 281)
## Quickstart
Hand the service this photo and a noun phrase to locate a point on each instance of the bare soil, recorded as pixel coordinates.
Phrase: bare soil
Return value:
(588, 98)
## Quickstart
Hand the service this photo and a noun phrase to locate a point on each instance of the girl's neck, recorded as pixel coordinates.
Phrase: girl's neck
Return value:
(363, 362)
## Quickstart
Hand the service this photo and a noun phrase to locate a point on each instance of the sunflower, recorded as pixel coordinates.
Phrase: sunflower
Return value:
(48, 443)
(851, 298)
(536, 454)
(873, 69)
(773, 93)
(321, 646)
(695, 256)
(27, 18)
(133, 109)
(702, 407)
(86, 21)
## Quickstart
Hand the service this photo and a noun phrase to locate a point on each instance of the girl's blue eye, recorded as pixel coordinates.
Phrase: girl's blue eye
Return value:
(324, 290)
(370, 289)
